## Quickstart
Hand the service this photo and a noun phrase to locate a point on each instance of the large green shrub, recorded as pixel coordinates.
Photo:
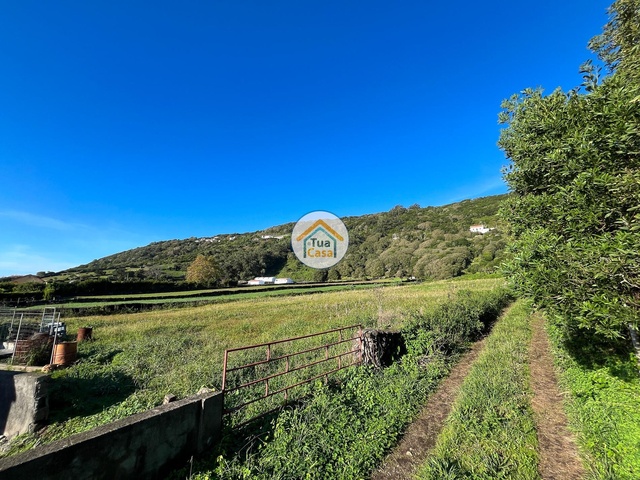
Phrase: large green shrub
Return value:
(575, 178)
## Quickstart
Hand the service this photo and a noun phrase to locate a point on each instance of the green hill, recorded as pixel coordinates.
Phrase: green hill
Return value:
(426, 243)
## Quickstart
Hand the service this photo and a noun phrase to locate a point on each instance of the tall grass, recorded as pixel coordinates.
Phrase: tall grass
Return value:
(603, 404)
(345, 428)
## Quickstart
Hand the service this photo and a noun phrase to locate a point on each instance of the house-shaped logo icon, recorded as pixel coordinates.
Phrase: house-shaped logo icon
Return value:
(320, 239)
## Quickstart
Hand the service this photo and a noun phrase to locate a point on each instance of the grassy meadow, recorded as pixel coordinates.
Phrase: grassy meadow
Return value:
(136, 359)
(345, 427)
(132, 303)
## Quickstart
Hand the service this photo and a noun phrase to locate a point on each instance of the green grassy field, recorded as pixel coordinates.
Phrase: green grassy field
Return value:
(130, 303)
(205, 292)
(349, 425)
(344, 428)
(136, 359)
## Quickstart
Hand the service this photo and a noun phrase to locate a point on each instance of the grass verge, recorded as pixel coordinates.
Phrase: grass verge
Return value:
(604, 403)
(490, 433)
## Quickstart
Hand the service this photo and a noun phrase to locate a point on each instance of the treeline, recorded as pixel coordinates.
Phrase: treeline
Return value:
(36, 292)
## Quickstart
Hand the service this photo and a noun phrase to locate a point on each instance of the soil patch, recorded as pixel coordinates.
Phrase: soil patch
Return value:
(421, 435)
(559, 459)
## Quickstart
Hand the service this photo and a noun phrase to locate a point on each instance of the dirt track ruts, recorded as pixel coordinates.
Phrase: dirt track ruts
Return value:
(421, 435)
(559, 459)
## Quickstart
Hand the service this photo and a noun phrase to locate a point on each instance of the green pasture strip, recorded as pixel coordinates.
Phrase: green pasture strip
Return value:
(129, 296)
(603, 404)
(221, 291)
(490, 433)
(214, 298)
(346, 428)
(105, 306)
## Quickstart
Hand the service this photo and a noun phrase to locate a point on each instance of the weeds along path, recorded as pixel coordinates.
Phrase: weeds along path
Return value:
(557, 449)
(421, 435)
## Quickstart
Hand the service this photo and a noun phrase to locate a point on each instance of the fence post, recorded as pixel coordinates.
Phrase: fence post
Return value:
(224, 370)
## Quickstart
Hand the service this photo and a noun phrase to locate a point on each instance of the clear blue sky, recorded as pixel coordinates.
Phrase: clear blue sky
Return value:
(127, 122)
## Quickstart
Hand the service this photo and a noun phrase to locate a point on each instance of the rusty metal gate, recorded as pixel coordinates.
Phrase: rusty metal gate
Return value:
(259, 372)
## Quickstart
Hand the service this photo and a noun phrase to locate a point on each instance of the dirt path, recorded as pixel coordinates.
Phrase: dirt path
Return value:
(421, 435)
(559, 459)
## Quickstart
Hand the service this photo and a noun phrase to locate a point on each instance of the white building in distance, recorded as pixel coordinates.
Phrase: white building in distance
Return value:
(480, 228)
(269, 281)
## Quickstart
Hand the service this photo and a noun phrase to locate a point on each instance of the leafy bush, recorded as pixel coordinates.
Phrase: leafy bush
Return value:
(575, 178)
(452, 324)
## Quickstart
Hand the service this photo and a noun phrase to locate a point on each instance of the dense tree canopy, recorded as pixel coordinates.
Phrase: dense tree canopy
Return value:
(575, 178)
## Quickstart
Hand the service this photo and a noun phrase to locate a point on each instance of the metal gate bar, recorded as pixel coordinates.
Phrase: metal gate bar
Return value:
(269, 359)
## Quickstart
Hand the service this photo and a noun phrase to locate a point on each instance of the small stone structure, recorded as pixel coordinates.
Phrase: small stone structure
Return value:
(144, 446)
(24, 402)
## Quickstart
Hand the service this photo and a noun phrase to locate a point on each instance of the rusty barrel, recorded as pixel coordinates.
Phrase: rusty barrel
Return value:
(65, 353)
(85, 334)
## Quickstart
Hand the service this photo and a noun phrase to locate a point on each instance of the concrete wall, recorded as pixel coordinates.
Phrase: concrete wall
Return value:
(24, 404)
(144, 446)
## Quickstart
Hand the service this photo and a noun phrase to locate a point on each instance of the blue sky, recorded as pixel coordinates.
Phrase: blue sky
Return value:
(124, 123)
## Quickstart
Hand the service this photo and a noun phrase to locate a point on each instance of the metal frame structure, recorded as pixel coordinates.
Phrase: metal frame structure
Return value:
(24, 323)
(339, 358)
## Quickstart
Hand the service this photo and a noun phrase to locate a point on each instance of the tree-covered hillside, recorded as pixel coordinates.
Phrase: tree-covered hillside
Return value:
(428, 243)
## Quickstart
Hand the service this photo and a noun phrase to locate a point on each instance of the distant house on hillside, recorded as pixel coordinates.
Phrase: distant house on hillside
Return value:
(480, 228)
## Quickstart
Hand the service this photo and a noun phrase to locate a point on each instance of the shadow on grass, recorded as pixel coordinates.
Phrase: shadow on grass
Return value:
(89, 387)
(72, 396)
(239, 444)
(594, 353)
(236, 443)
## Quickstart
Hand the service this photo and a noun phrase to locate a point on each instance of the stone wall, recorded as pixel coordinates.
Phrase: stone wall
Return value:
(144, 446)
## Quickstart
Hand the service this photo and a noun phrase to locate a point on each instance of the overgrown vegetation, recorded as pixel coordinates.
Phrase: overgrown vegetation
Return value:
(575, 181)
(345, 428)
(490, 433)
(604, 403)
(574, 212)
